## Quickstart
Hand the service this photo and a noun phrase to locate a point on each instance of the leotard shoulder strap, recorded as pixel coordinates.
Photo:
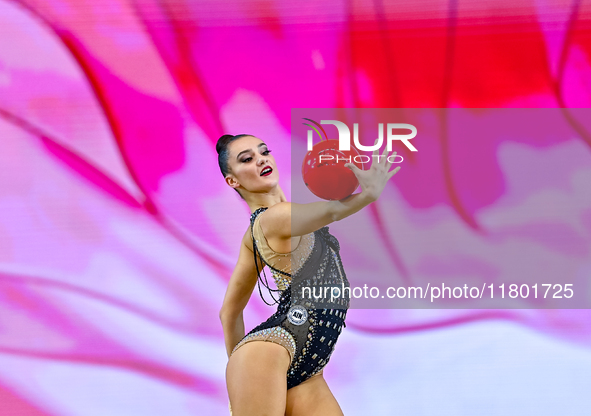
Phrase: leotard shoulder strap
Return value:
(256, 251)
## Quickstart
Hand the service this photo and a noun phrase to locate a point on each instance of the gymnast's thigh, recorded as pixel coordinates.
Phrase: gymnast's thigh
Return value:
(256, 377)
(312, 398)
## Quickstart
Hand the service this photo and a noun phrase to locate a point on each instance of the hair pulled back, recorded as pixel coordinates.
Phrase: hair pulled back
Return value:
(224, 154)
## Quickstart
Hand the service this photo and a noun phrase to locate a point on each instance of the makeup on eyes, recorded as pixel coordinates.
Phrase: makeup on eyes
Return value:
(248, 158)
(250, 150)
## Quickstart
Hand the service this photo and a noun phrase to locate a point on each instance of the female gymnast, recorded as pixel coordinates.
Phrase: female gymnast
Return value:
(276, 369)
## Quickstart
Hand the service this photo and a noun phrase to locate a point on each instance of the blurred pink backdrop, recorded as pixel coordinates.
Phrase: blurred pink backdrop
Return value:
(118, 236)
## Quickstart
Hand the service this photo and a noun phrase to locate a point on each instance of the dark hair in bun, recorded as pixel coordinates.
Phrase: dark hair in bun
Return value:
(223, 153)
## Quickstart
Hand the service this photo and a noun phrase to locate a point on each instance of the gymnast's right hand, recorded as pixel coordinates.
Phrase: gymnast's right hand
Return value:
(374, 179)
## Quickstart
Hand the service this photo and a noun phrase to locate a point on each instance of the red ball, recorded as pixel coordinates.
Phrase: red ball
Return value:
(329, 178)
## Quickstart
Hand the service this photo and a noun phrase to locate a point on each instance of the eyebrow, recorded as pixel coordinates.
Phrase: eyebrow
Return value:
(248, 150)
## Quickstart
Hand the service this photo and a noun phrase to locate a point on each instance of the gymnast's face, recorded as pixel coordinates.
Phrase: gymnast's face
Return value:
(252, 167)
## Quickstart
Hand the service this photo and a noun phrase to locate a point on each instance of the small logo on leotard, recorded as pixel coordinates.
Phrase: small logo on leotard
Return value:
(297, 315)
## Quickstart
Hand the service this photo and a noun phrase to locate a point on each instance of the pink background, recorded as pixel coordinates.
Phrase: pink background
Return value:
(117, 234)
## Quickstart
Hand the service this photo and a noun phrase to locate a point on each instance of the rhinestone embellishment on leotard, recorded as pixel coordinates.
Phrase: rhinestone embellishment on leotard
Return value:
(315, 262)
(276, 334)
(284, 265)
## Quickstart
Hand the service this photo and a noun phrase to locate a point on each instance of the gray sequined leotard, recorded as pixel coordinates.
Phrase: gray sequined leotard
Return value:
(307, 326)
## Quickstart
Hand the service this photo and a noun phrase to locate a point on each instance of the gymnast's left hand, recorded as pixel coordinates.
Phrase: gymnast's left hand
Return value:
(374, 179)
